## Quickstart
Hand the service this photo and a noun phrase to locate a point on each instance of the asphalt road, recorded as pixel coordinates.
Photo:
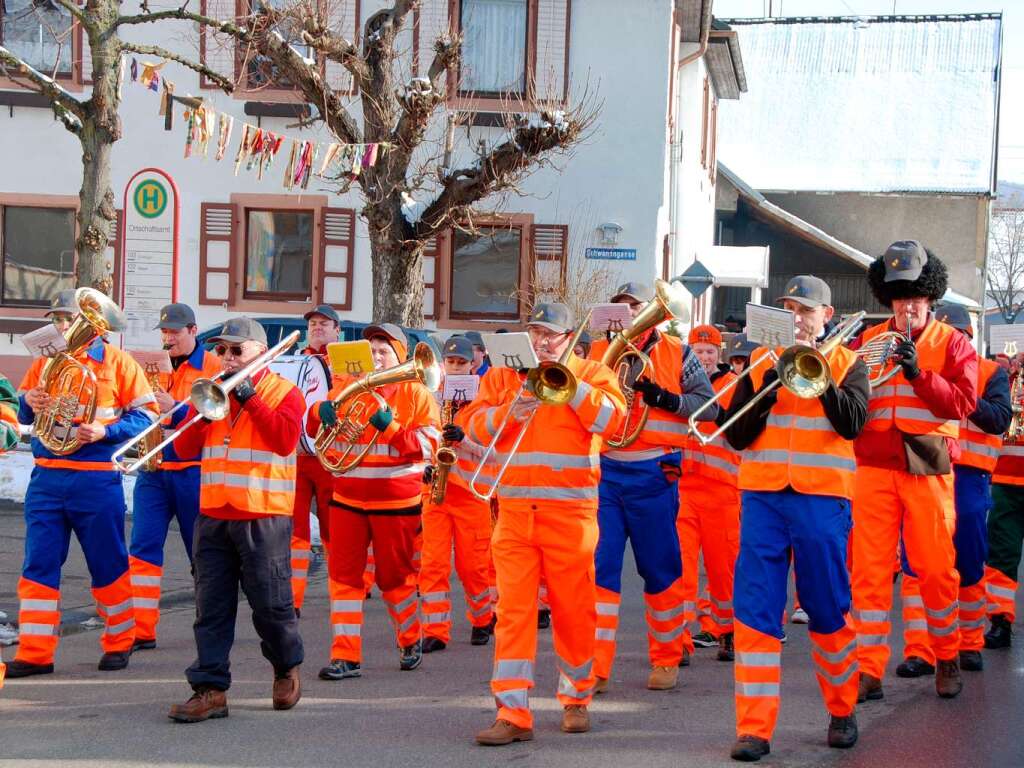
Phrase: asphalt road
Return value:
(86, 718)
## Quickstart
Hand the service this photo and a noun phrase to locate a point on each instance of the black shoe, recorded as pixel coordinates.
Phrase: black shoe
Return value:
(111, 662)
(25, 669)
(339, 669)
(750, 749)
(543, 618)
(685, 660)
(1000, 634)
(726, 652)
(971, 661)
(493, 623)
(842, 731)
(915, 666)
(478, 636)
(412, 657)
(432, 644)
(298, 613)
(705, 640)
(143, 644)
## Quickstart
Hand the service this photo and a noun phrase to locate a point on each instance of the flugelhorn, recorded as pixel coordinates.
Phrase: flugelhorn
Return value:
(630, 363)
(423, 367)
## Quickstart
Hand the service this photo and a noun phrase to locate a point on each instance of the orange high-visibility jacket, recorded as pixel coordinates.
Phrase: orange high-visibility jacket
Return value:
(664, 432)
(238, 467)
(978, 448)
(178, 384)
(799, 448)
(559, 457)
(894, 405)
(717, 460)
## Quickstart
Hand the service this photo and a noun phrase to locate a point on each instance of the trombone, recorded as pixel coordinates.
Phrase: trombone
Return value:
(552, 383)
(803, 370)
(210, 398)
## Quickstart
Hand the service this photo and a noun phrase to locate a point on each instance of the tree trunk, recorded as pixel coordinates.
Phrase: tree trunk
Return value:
(397, 282)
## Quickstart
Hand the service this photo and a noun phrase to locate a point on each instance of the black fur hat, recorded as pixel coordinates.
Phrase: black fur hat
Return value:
(932, 281)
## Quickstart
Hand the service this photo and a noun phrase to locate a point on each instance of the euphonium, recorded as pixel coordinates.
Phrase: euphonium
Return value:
(349, 428)
(70, 384)
(445, 456)
(623, 356)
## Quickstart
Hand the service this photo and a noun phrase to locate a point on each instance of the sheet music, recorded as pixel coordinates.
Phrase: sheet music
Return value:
(510, 350)
(46, 341)
(610, 317)
(770, 326)
(152, 360)
(461, 387)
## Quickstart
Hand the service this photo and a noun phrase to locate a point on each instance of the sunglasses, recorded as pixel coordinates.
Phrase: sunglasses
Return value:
(222, 349)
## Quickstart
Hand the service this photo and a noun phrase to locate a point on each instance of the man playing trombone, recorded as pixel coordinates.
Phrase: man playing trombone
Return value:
(796, 478)
(243, 532)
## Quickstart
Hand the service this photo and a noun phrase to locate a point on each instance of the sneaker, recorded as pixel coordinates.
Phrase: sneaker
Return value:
(575, 719)
(914, 666)
(412, 657)
(432, 644)
(750, 749)
(971, 661)
(726, 651)
(869, 688)
(543, 618)
(705, 640)
(663, 678)
(205, 704)
(947, 679)
(502, 733)
(112, 662)
(479, 636)
(1000, 634)
(842, 731)
(340, 669)
(25, 669)
(800, 617)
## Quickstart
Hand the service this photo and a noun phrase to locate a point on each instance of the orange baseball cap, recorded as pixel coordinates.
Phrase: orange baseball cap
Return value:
(705, 334)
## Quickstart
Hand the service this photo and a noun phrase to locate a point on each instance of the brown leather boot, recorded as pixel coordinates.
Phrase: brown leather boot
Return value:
(947, 678)
(503, 732)
(205, 704)
(869, 689)
(287, 690)
(575, 719)
(601, 685)
(663, 678)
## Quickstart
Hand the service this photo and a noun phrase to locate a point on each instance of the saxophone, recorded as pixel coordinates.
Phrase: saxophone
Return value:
(445, 457)
(156, 436)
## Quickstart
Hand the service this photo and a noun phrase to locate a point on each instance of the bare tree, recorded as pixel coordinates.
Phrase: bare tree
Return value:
(1006, 262)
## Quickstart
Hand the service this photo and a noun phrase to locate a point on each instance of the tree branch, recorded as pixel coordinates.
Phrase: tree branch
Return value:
(217, 25)
(155, 50)
(74, 10)
(46, 85)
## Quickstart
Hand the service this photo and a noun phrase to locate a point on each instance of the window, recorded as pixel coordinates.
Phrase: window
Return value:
(38, 246)
(486, 273)
(39, 32)
(279, 254)
(494, 46)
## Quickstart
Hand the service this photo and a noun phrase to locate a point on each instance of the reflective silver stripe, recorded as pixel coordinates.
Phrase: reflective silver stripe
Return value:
(107, 413)
(299, 573)
(512, 669)
(582, 391)
(913, 601)
(718, 463)
(300, 554)
(246, 455)
(481, 596)
(627, 456)
(249, 482)
(404, 604)
(778, 456)
(435, 597)
(722, 605)
(942, 612)
(607, 609)
(657, 424)
(347, 630)
(603, 633)
(434, 619)
(426, 447)
(835, 657)
(121, 607)
(547, 492)
(347, 606)
(567, 689)
(940, 631)
(842, 677)
(145, 581)
(39, 605)
(411, 619)
(483, 610)
(759, 690)
(555, 461)
(386, 473)
(667, 637)
(871, 616)
(758, 658)
(124, 626)
(142, 400)
(42, 630)
(1012, 450)
(972, 623)
(871, 640)
(689, 606)
(923, 414)
(916, 624)
(146, 602)
(576, 674)
(1003, 592)
(491, 425)
(667, 614)
(817, 424)
(989, 451)
(976, 605)
(604, 415)
(517, 698)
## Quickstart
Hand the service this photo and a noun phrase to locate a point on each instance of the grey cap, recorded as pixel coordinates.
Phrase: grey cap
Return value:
(635, 291)
(323, 309)
(388, 330)
(809, 290)
(174, 317)
(239, 329)
(555, 317)
(458, 346)
(904, 260)
(955, 315)
(63, 302)
(476, 339)
(739, 346)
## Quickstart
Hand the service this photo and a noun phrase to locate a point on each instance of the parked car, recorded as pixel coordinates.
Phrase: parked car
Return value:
(279, 327)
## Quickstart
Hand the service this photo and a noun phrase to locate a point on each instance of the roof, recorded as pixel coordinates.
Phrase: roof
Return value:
(780, 216)
(866, 104)
(725, 63)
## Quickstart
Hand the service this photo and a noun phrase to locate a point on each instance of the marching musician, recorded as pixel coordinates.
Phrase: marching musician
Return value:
(904, 466)
(796, 479)
(981, 437)
(738, 353)
(547, 524)
(379, 502)
(459, 520)
(639, 497)
(80, 492)
(10, 433)
(481, 362)
(172, 491)
(243, 531)
(312, 481)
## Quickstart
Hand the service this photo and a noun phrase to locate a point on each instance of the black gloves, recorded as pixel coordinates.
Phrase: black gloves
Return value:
(428, 474)
(656, 396)
(453, 433)
(244, 390)
(328, 414)
(906, 354)
(770, 377)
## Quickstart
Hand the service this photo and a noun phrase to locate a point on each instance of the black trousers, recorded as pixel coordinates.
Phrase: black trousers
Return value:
(255, 554)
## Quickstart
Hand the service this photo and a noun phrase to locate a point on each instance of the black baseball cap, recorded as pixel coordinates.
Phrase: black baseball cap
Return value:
(323, 309)
(174, 317)
(476, 339)
(637, 291)
(955, 315)
(904, 260)
(808, 290)
(458, 346)
(239, 329)
(63, 302)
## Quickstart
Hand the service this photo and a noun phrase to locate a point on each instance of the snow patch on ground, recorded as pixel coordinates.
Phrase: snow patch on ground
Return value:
(16, 468)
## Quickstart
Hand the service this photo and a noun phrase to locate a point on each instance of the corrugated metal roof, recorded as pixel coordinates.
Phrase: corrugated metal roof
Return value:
(878, 104)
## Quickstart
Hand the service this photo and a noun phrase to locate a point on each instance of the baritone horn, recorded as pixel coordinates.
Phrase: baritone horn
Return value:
(630, 363)
(355, 397)
(71, 385)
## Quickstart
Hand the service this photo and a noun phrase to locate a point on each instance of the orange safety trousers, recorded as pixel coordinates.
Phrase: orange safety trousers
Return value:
(915, 620)
(312, 481)
(890, 505)
(555, 541)
(1000, 594)
(394, 538)
(708, 524)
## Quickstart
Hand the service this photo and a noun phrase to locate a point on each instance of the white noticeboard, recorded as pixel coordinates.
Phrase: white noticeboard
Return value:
(149, 249)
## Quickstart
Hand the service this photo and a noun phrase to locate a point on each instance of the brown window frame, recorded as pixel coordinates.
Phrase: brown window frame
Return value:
(73, 75)
(713, 155)
(525, 247)
(314, 255)
(25, 303)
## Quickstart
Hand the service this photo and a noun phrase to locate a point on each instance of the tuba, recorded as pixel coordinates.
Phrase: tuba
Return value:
(70, 384)
(356, 399)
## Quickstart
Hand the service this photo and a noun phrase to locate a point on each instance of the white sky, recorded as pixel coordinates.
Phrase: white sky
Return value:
(1011, 127)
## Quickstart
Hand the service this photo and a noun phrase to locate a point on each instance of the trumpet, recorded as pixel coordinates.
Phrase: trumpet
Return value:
(445, 456)
(552, 383)
(210, 398)
(802, 370)
(423, 367)
(623, 355)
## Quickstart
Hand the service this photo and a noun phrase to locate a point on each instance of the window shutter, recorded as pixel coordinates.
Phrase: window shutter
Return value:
(432, 22)
(551, 73)
(217, 51)
(216, 246)
(431, 277)
(343, 19)
(337, 255)
(550, 253)
(113, 255)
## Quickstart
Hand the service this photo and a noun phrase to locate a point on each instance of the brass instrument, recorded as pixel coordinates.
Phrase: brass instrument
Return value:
(210, 398)
(445, 456)
(878, 356)
(801, 369)
(552, 383)
(623, 357)
(423, 367)
(71, 385)
(153, 437)
(1015, 432)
